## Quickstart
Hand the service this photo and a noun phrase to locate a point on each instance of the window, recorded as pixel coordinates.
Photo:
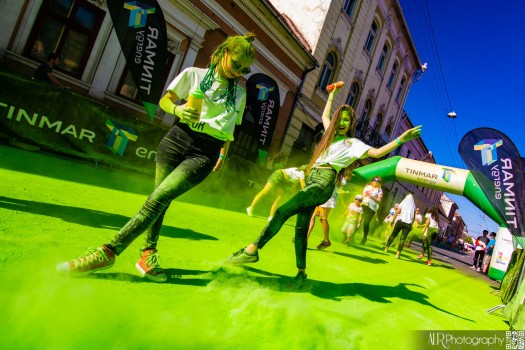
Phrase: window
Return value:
(68, 28)
(370, 40)
(382, 59)
(349, 7)
(392, 76)
(400, 90)
(378, 122)
(388, 129)
(352, 95)
(397, 151)
(127, 88)
(327, 72)
(365, 115)
(302, 147)
(245, 144)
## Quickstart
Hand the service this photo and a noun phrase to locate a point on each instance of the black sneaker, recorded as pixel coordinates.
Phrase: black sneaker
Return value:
(323, 245)
(242, 257)
(300, 279)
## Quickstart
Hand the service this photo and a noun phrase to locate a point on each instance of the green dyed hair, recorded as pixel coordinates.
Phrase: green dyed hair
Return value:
(241, 45)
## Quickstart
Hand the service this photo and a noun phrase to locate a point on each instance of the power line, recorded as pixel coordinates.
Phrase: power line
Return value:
(424, 37)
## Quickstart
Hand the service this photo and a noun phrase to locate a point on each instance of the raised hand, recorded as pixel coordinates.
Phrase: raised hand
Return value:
(410, 134)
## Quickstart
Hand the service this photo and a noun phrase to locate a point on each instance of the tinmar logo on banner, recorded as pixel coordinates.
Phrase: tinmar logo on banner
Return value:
(264, 91)
(488, 149)
(119, 137)
(447, 174)
(138, 13)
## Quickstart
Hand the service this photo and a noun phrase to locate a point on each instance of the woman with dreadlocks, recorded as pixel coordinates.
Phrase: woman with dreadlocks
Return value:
(186, 155)
(337, 150)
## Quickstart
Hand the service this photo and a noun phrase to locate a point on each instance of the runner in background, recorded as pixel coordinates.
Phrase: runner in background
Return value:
(279, 182)
(353, 215)
(406, 210)
(372, 196)
(430, 230)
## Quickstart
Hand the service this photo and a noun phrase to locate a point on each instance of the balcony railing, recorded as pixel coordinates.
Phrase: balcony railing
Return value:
(369, 136)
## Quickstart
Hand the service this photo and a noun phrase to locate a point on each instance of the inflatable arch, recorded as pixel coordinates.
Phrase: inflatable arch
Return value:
(435, 176)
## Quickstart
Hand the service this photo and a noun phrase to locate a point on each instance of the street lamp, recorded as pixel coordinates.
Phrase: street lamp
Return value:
(452, 115)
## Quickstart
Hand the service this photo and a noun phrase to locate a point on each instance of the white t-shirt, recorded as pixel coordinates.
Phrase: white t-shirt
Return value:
(342, 153)
(294, 175)
(419, 219)
(354, 211)
(433, 223)
(372, 196)
(215, 120)
(408, 208)
(391, 215)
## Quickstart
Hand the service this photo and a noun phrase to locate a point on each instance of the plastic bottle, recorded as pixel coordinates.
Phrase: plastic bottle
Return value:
(332, 86)
(195, 99)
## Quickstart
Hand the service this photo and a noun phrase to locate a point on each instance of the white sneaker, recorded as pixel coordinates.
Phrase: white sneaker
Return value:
(270, 218)
(249, 211)
(478, 269)
(473, 267)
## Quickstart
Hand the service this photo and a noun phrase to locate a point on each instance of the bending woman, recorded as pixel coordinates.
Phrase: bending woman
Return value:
(279, 181)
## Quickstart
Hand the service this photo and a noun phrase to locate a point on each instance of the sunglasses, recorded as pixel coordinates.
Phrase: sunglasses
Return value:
(238, 67)
(376, 180)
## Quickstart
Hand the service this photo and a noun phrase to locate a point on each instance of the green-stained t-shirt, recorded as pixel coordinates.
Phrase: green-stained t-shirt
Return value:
(342, 153)
(215, 119)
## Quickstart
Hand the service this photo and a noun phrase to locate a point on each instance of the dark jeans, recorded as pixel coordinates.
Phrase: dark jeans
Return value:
(184, 159)
(399, 226)
(368, 214)
(478, 258)
(320, 184)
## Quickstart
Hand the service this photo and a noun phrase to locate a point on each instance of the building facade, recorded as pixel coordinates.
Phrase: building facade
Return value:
(93, 65)
(367, 45)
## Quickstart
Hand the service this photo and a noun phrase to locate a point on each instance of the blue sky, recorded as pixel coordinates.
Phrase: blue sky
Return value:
(475, 51)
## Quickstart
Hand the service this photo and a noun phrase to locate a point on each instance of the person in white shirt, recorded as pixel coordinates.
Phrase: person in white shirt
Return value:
(391, 213)
(279, 182)
(353, 216)
(337, 150)
(430, 230)
(372, 196)
(407, 210)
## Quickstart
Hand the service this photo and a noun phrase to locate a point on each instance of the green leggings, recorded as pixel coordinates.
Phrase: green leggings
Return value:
(427, 241)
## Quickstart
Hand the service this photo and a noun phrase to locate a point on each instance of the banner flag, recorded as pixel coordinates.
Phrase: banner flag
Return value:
(497, 166)
(263, 102)
(59, 120)
(141, 31)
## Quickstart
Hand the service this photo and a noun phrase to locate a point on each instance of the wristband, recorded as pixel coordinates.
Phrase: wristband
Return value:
(399, 143)
(222, 156)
